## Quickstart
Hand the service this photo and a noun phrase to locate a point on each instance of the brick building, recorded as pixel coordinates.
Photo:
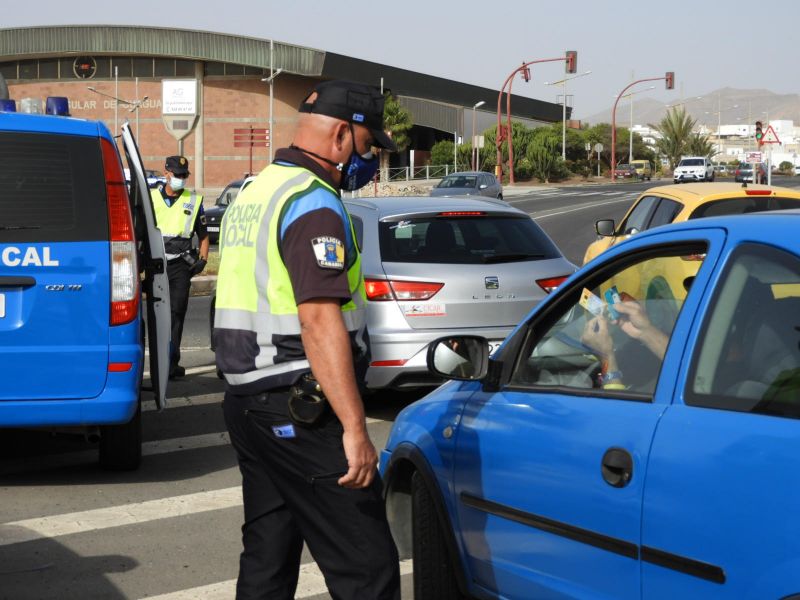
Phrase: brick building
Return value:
(115, 73)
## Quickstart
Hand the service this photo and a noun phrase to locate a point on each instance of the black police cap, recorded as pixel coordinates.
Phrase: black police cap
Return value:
(352, 102)
(177, 165)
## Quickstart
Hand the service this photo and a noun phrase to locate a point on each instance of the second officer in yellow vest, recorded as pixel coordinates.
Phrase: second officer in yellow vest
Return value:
(179, 216)
(289, 328)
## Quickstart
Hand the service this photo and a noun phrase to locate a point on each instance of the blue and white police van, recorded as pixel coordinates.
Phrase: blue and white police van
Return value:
(81, 271)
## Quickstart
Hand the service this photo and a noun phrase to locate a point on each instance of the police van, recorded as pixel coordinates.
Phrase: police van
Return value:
(81, 270)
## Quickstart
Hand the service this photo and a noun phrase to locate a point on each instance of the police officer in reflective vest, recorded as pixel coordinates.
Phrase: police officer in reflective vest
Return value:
(290, 333)
(179, 215)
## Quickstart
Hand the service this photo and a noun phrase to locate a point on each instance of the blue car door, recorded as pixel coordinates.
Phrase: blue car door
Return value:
(551, 468)
(720, 515)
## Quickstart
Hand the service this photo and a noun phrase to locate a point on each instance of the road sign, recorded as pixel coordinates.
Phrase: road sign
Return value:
(753, 157)
(598, 147)
(251, 137)
(770, 137)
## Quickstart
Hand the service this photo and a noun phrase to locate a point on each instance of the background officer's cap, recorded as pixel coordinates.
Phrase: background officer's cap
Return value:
(178, 165)
(352, 102)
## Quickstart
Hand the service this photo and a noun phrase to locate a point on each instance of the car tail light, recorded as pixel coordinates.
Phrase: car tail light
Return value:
(551, 283)
(124, 270)
(384, 289)
(388, 363)
(758, 192)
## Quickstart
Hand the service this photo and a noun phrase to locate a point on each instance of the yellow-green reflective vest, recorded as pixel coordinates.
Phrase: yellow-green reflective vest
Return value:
(176, 220)
(256, 327)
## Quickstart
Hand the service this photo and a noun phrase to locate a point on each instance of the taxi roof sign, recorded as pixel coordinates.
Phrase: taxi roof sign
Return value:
(770, 137)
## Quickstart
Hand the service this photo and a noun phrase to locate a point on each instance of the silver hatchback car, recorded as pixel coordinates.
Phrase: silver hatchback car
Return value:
(435, 267)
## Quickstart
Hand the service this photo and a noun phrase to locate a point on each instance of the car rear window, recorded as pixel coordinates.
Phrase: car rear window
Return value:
(459, 181)
(52, 188)
(742, 205)
(464, 240)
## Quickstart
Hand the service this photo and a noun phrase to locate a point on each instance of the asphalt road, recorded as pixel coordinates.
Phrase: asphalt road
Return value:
(171, 529)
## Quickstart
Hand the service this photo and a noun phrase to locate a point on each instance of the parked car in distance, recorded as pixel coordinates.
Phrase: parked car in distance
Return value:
(744, 172)
(643, 169)
(693, 168)
(797, 169)
(721, 169)
(154, 178)
(469, 183)
(579, 462)
(439, 266)
(625, 171)
(224, 200)
(669, 204)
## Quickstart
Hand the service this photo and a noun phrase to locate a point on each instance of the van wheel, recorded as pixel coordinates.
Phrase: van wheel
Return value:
(434, 575)
(121, 445)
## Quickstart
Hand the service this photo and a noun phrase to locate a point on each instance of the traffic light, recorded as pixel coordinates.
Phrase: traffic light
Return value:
(572, 61)
(670, 80)
(759, 132)
(526, 73)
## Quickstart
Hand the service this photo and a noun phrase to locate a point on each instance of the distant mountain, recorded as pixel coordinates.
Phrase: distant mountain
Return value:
(749, 104)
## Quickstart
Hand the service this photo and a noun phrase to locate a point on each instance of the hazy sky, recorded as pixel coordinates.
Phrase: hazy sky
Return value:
(709, 45)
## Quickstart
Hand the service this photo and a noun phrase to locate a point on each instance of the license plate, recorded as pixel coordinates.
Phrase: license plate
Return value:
(494, 345)
(2, 305)
(213, 229)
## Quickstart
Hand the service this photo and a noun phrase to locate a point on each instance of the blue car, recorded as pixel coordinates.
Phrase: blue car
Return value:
(632, 438)
(81, 270)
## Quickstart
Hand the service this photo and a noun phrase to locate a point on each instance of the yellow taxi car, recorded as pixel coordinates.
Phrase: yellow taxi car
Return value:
(672, 204)
(669, 280)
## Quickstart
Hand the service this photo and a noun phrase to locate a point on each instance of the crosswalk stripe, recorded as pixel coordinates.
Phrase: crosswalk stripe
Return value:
(52, 526)
(311, 583)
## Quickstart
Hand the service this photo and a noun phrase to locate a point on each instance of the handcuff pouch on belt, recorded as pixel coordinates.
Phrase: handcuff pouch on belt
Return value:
(307, 403)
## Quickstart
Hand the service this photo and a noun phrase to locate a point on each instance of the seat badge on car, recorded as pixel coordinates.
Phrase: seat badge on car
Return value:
(492, 283)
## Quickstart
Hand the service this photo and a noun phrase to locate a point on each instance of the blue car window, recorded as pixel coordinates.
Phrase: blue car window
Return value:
(612, 337)
(749, 349)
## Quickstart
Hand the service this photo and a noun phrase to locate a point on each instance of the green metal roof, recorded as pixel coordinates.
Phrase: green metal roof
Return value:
(39, 42)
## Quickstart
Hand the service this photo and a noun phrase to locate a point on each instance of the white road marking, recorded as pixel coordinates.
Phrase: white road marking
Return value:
(311, 583)
(581, 207)
(28, 530)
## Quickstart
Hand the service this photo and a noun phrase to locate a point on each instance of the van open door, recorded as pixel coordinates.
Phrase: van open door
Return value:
(154, 264)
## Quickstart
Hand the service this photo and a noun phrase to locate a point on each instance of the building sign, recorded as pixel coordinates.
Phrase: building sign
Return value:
(179, 97)
(84, 67)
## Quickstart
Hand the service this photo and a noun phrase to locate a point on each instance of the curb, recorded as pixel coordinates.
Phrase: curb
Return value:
(203, 285)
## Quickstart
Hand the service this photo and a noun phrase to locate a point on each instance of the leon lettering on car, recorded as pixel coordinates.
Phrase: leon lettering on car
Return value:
(11, 257)
(239, 224)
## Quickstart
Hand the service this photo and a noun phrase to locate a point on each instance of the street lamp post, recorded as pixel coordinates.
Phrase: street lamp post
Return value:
(270, 80)
(614, 116)
(630, 131)
(474, 139)
(525, 70)
(134, 105)
(563, 83)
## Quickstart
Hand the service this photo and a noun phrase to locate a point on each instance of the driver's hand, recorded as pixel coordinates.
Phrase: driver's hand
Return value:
(597, 336)
(635, 322)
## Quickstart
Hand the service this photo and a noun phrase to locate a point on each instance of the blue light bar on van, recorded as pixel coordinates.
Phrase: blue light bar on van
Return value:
(8, 106)
(57, 105)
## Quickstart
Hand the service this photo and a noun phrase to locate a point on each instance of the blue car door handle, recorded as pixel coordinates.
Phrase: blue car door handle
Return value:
(16, 281)
(617, 467)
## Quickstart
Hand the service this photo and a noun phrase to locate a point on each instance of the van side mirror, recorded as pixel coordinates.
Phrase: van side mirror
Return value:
(605, 227)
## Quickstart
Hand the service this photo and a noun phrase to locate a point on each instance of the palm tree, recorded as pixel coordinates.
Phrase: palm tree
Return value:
(699, 145)
(676, 132)
(398, 122)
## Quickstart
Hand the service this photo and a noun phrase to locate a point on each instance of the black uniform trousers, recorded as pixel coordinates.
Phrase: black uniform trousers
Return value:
(180, 281)
(289, 476)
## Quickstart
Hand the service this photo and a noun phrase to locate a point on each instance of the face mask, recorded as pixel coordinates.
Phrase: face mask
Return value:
(176, 183)
(359, 170)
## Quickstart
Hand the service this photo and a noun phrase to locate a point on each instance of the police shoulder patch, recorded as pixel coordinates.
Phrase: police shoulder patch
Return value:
(329, 252)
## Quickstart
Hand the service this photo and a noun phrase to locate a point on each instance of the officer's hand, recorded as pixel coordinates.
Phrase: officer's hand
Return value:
(198, 267)
(362, 460)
